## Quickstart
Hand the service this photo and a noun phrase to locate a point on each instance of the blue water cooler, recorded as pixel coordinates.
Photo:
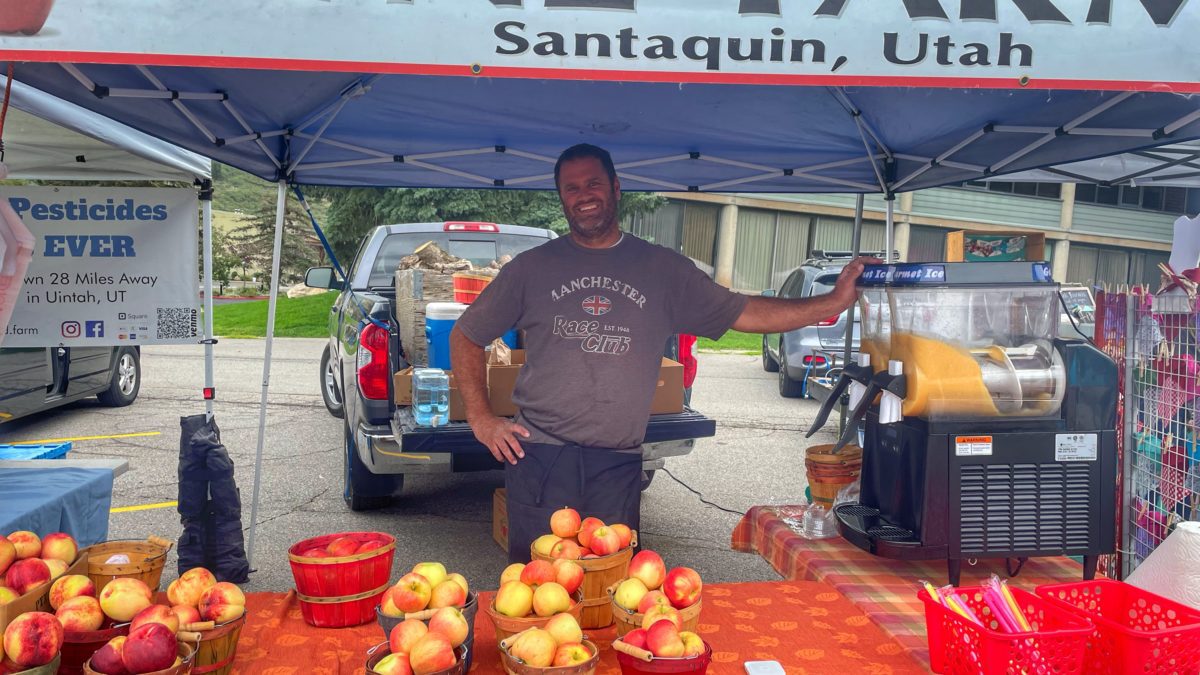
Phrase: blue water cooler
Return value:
(439, 321)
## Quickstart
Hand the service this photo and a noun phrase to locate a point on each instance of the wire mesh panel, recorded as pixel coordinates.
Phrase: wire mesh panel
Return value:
(1110, 338)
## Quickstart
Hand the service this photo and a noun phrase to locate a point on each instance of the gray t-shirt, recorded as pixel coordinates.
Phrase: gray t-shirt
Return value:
(596, 322)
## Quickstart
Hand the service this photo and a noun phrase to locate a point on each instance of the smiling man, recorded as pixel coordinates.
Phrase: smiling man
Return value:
(597, 307)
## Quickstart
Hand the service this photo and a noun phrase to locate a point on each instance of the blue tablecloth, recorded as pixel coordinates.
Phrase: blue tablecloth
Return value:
(71, 500)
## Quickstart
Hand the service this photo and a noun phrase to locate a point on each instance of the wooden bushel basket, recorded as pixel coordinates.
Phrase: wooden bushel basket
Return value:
(187, 655)
(598, 575)
(146, 561)
(378, 652)
(627, 620)
(217, 647)
(507, 625)
(828, 472)
(514, 666)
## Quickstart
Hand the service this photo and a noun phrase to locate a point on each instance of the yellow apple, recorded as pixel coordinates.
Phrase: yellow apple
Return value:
(564, 628)
(630, 593)
(514, 599)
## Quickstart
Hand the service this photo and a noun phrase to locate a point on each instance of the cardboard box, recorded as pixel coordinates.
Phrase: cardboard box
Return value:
(501, 380)
(968, 246)
(402, 394)
(38, 600)
(500, 518)
(668, 394)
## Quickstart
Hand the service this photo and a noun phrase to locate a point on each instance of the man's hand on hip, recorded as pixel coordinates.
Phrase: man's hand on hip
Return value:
(499, 435)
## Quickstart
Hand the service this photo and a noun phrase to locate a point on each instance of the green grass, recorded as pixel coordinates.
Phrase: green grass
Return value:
(733, 341)
(298, 317)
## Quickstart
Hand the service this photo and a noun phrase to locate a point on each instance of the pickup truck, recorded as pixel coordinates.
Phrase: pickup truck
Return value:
(382, 442)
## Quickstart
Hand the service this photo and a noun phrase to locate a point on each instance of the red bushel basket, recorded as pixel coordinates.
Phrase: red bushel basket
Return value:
(962, 647)
(1135, 631)
(339, 591)
(696, 665)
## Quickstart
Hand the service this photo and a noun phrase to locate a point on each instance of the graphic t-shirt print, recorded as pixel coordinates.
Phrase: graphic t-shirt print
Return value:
(583, 308)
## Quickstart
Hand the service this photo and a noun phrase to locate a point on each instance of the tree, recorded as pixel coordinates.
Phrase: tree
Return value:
(252, 243)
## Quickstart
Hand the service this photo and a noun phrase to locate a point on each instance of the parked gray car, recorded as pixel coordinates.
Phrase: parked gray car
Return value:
(813, 349)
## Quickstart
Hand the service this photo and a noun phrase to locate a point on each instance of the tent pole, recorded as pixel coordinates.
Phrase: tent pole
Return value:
(206, 202)
(890, 229)
(855, 250)
(280, 211)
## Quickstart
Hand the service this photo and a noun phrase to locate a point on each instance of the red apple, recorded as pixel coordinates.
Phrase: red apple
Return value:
(538, 572)
(430, 653)
(605, 541)
(565, 522)
(566, 549)
(450, 622)
(405, 635)
(411, 593)
(27, 574)
(586, 528)
(624, 533)
(662, 639)
(659, 613)
(449, 593)
(315, 553)
(682, 587)
(370, 545)
(571, 654)
(342, 547)
(650, 600)
(149, 647)
(568, 574)
(635, 638)
(24, 16)
(649, 568)
(393, 664)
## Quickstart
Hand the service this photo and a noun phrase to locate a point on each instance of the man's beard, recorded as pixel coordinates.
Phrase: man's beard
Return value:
(595, 225)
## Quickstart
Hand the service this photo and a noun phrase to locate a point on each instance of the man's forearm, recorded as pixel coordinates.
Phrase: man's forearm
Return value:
(470, 374)
(776, 315)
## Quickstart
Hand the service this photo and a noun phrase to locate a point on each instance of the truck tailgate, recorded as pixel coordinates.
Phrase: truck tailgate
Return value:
(456, 437)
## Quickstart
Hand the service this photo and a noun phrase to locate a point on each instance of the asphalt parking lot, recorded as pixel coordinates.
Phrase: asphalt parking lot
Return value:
(755, 458)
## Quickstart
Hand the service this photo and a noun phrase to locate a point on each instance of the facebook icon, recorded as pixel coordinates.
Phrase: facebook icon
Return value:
(94, 329)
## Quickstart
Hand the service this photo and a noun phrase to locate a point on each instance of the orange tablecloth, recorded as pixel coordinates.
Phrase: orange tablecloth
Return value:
(806, 626)
(885, 589)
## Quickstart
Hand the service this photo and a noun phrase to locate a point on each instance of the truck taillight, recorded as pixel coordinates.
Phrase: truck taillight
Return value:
(471, 227)
(831, 321)
(372, 362)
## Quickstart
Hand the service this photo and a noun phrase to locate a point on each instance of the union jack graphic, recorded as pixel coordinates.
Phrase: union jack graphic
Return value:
(597, 305)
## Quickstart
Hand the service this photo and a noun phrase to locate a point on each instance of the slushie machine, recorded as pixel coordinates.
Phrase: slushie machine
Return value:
(985, 434)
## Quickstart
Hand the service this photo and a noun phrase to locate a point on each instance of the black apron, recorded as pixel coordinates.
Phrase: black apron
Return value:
(600, 482)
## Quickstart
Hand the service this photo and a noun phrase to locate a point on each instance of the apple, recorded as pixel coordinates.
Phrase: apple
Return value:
(512, 573)
(565, 522)
(550, 599)
(630, 593)
(405, 635)
(571, 654)
(186, 614)
(60, 546)
(26, 17)
(447, 594)
(537, 573)
(564, 628)
(635, 638)
(585, 530)
(8, 553)
(369, 546)
(692, 644)
(535, 647)
(393, 664)
(514, 599)
(315, 553)
(662, 639)
(107, 659)
(682, 587)
(33, 639)
(149, 648)
(28, 544)
(568, 574)
(605, 541)
(460, 580)
(566, 549)
(650, 600)
(430, 653)
(80, 614)
(450, 622)
(27, 574)
(387, 607)
(222, 603)
(544, 545)
(434, 572)
(411, 593)
(341, 547)
(624, 533)
(187, 589)
(57, 567)
(649, 567)
(70, 586)
(662, 613)
(156, 614)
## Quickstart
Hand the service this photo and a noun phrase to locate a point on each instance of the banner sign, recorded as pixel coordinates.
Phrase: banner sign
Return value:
(111, 266)
(1084, 44)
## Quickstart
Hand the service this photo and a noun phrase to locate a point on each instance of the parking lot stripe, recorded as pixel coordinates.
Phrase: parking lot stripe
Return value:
(47, 441)
(142, 507)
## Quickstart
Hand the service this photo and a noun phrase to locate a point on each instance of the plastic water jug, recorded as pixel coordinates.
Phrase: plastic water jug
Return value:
(439, 321)
(431, 396)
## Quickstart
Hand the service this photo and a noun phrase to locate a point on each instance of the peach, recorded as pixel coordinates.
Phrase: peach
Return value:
(33, 639)
(8, 553)
(107, 659)
(649, 567)
(605, 541)
(535, 647)
(682, 587)
(434, 572)
(662, 613)
(568, 574)
(27, 574)
(692, 644)
(70, 586)
(60, 546)
(28, 544)
(586, 528)
(662, 639)
(411, 593)
(186, 614)
(514, 599)
(650, 600)
(635, 638)
(156, 614)
(630, 593)
(222, 603)
(393, 664)
(567, 550)
(550, 599)
(149, 647)
(430, 653)
(624, 533)
(544, 545)
(342, 547)
(450, 622)
(565, 522)
(387, 607)
(512, 573)
(564, 628)
(187, 589)
(405, 635)
(460, 580)
(570, 654)
(447, 594)
(7, 595)
(57, 567)
(121, 599)
(81, 613)
(537, 573)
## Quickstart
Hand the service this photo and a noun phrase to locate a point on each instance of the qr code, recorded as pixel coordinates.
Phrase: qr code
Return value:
(176, 322)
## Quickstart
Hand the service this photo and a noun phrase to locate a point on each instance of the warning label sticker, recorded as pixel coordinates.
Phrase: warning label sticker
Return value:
(972, 446)
(1075, 447)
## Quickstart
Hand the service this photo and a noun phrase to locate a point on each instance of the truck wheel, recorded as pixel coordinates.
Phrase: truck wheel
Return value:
(126, 380)
(769, 363)
(331, 391)
(364, 490)
(647, 478)
(788, 388)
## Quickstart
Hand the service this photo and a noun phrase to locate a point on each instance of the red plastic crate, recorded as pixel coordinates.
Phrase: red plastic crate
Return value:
(1135, 631)
(962, 647)
(342, 576)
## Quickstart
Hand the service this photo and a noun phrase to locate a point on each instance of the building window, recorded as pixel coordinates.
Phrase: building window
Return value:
(1151, 198)
(1025, 189)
